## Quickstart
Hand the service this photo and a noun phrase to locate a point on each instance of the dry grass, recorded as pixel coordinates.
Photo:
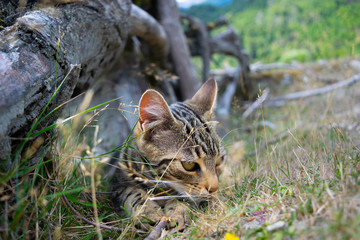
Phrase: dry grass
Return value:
(307, 181)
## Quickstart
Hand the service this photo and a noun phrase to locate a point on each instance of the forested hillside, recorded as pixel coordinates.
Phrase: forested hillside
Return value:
(284, 30)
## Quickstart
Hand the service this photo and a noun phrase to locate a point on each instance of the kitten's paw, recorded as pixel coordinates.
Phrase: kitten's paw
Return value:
(150, 214)
(179, 215)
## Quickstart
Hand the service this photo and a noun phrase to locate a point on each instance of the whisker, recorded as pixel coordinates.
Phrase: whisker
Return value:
(133, 181)
(160, 181)
(177, 197)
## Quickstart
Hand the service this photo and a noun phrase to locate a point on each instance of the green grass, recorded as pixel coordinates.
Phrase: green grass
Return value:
(309, 179)
(285, 30)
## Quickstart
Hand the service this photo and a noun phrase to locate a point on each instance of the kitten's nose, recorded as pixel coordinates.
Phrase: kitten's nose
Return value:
(212, 190)
(212, 184)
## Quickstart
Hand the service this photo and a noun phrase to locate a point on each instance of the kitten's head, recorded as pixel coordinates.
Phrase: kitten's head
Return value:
(180, 141)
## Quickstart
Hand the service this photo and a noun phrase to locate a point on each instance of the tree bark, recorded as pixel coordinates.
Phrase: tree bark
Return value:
(36, 53)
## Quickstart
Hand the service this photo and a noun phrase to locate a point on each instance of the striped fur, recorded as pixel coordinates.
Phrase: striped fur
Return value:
(167, 138)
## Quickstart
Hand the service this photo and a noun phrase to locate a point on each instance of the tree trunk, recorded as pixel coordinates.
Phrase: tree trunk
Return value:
(179, 51)
(36, 53)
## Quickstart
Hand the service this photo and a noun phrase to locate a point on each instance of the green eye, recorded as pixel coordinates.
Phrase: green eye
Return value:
(219, 160)
(190, 166)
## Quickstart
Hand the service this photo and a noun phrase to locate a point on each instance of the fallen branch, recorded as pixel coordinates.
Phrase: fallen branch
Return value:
(281, 100)
(156, 232)
(260, 70)
(227, 72)
(199, 43)
(258, 67)
(256, 104)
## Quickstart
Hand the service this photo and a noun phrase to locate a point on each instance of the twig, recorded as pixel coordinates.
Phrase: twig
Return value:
(257, 68)
(156, 232)
(256, 104)
(281, 100)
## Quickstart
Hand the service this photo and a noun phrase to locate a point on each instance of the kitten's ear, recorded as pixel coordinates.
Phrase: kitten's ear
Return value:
(153, 110)
(204, 99)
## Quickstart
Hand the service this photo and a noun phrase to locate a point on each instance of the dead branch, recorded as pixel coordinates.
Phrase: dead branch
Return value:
(227, 72)
(258, 67)
(282, 100)
(228, 43)
(169, 17)
(222, 21)
(199, 44)
(256, 104)
(230, 71)
(273, 70)
(145, 26)
(259, 70)
(156, 232)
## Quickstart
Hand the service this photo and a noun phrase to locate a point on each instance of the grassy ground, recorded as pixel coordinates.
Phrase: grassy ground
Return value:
(299, 171)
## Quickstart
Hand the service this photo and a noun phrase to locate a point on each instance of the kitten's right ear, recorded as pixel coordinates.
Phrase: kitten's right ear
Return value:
(153, 110)
(204, 99)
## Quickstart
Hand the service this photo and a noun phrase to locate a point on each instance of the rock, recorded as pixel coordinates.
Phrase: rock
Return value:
(276, 226)
(355, 64)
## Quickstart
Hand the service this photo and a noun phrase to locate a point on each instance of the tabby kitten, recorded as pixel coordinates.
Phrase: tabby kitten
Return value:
(178, 155)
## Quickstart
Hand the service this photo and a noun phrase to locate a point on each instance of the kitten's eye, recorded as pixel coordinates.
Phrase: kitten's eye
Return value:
(190, 166)
(219, 161)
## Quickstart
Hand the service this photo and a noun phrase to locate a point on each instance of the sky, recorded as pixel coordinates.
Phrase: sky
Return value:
(188, 3)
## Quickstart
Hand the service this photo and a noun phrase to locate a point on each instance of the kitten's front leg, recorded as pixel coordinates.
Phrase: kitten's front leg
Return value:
(179, 214)
(133, 200)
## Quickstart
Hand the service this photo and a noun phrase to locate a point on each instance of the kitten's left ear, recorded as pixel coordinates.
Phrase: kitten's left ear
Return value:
(153, 110)
(204, 99)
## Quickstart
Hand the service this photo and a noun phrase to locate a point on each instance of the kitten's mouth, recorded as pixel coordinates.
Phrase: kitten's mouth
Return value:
(204, 192)
(203, 195)
(174, 190)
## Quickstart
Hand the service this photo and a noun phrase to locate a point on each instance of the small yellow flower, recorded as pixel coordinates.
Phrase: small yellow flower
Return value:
(231, 236)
